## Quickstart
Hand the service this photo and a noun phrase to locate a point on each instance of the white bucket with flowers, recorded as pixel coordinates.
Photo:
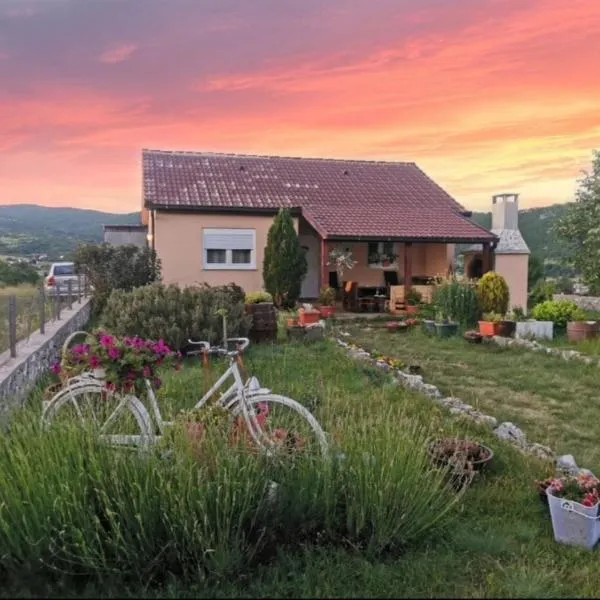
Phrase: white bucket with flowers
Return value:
(575, 510)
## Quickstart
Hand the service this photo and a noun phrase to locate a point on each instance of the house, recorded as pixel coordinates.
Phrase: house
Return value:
(121, 235)
(511, 255)
(208, 216)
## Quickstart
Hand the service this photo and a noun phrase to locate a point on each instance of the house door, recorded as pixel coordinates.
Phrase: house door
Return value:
(310, 283)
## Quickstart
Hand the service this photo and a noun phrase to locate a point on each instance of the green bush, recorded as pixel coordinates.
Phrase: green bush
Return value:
(175, 315)
(327, 296)
(413, 297)
(560, 312)
(493, 293)
(258, 297)
(457, 301)
(541, 291)
(109, 268)
(17, 274)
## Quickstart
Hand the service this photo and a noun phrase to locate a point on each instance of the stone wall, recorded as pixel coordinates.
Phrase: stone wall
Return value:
(585, 302)
(18, 376)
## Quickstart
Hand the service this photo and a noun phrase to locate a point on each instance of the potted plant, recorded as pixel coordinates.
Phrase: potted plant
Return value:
(445, 327)
(463, 457)
(259, 305)
(125, 363)
(327, 302)
(508, 325)
(579, 328)
(575, 510)
(308, 315)
(413, 298)
(490, 325)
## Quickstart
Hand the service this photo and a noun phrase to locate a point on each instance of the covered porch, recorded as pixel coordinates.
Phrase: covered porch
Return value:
(385, 270)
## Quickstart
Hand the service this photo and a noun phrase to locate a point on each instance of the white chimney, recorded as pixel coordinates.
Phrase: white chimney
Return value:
(505, 212)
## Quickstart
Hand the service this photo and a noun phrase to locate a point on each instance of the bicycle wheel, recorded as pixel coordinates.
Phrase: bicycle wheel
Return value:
(120, 420)
(279, 425)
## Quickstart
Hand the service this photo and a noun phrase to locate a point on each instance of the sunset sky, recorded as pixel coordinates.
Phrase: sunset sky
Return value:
(486, 96)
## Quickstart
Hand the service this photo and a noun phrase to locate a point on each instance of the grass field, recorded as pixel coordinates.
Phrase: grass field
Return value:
(498, 544)
(554, 401)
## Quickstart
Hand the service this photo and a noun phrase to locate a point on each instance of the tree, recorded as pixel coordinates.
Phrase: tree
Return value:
(284, 265)
(109, 268)
(17, 273)
(535, 271)
(580, 226)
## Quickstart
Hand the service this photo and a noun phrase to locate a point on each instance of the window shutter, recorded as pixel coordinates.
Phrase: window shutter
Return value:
(232, 239)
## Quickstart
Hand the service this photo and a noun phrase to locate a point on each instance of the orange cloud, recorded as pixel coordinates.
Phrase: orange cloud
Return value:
(118, 53)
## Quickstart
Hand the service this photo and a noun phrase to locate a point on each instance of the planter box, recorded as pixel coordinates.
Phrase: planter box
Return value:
(429, 326)
(446, 330)
(573, 523)
(507, 328)
(539, 330)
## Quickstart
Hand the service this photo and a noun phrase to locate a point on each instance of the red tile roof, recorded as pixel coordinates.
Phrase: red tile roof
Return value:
(340, 198)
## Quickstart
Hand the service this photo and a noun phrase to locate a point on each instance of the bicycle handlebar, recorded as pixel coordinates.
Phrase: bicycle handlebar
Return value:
(206, 347)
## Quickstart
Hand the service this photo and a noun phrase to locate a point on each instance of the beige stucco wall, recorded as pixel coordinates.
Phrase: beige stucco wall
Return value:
(178, 243)
(514, 268)
(428, 260)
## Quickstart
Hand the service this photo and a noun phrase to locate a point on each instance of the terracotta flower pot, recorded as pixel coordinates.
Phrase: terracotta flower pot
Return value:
(309, 317)
(292, 322)
(412, 310)
(578, 331)
(489, 328)
(327, 311)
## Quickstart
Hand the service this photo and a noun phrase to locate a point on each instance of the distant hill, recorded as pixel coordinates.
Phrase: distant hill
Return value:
(535, 224)
(31, 229)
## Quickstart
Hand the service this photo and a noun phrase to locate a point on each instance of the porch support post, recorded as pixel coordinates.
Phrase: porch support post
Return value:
(407, 266)
(324, 280)
(486, 258)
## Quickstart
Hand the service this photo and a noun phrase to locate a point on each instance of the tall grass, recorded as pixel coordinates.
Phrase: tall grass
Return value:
(71, 506)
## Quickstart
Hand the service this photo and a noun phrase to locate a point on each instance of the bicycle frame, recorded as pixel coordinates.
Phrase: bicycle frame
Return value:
(236, 392)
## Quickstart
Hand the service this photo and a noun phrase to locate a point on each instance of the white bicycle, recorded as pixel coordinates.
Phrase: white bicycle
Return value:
(123, 420)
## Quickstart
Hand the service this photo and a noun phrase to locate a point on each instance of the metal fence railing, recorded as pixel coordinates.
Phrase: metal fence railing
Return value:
(25, 310)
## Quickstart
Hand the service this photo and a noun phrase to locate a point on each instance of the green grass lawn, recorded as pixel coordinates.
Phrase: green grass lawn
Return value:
(498, 543)
(554, 401)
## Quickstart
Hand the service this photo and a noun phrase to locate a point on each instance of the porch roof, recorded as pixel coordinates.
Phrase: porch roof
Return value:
(341, 199)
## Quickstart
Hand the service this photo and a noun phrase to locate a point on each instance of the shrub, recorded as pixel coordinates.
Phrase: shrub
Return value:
(413, 297)
(327, 296)
(457, 301)
(284, 265)
(175, 315)
(258, 297)
(17, 274)
(493, 293)
(560, 312)
(541, 291)
(109, 268)
(71, 505)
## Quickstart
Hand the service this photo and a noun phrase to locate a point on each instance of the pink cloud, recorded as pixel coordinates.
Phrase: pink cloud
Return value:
(117, 53)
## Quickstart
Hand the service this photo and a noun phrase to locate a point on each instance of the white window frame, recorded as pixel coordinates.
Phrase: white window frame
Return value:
(228, 265)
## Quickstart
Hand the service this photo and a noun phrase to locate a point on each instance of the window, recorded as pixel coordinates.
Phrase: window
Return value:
(65, 269)
(229, 249)
(382, 254)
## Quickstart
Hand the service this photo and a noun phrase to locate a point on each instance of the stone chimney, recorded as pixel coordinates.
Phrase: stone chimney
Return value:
(505, 212)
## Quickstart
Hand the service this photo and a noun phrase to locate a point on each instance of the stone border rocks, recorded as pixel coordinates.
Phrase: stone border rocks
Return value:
(505, 431)
(537, 347)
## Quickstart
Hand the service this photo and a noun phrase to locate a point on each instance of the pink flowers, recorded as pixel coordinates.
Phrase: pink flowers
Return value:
(127, 362)
(56, 368)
